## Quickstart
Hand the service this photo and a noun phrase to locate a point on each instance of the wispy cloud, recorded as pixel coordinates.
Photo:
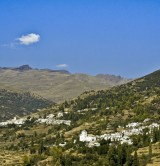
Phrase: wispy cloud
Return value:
(62, 66)
(29, 39)
(23, 40)
(11, 45)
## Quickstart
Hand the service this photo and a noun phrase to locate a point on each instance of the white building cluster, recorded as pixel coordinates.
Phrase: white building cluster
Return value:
(51, 120)
(13, 121)
(134, 128)
(54, 121)
(48, 120)
(118, 136)
(86, 109)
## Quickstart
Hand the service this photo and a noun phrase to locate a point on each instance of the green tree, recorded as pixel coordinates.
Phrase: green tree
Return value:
(128, 159)
(135, 159)
(150, 152)
(41, 148)
(57, 155)
(112, 156)
(26, 161)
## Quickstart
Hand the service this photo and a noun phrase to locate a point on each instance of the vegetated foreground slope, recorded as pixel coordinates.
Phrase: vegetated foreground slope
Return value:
(55, 85)
(139, 98)
(100, 113)
(19, 104)
(104, 111)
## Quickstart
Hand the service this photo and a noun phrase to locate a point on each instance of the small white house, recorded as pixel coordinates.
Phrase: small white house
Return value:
(60, 114)
(91, 144)
(62, 144)
(50, 116)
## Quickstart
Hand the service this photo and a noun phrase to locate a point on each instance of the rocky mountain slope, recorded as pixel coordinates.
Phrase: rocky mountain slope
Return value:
(55, 85)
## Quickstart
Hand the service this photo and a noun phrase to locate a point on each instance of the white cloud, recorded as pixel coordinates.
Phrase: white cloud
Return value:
(62, 65)
(23, 40)
(29, 39)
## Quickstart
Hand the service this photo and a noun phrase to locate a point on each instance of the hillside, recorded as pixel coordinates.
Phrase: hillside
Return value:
(55, 85)
(134, 101)
(19, 104)
(120, 126)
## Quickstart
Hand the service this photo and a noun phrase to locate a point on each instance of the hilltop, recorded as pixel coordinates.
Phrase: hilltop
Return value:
(55, 85)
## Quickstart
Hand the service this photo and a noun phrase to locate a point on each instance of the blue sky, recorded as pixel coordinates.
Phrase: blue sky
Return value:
(119, 37)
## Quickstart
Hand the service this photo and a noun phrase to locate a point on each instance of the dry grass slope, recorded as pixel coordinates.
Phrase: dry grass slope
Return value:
(155, 160)
(11, 158)
(55, 86)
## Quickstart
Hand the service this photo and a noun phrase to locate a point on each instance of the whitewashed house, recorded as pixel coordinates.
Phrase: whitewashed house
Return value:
(91, 144)
(60, 114)
(62, 144)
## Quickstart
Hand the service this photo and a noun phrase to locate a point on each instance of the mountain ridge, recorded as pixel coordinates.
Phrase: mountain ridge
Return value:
(27, 67)
(55, 85)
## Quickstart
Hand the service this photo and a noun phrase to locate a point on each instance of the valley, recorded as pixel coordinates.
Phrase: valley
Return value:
(92, 128)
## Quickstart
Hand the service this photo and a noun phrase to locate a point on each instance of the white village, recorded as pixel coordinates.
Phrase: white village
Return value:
(134, 128)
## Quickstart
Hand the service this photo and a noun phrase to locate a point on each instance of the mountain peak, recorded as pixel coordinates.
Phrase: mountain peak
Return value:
(27, 67)
(111, 77)
(24, 68)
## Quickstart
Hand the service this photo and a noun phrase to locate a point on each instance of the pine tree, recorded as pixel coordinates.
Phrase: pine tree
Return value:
(122, 154)
(154, 133)
(128, 158)
(41, 148)
(159, 145)
(135, 159)
(112, 156)
(150, 152)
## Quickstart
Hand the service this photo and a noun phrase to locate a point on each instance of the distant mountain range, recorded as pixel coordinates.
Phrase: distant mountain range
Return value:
(55, 85)
(27, 67)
